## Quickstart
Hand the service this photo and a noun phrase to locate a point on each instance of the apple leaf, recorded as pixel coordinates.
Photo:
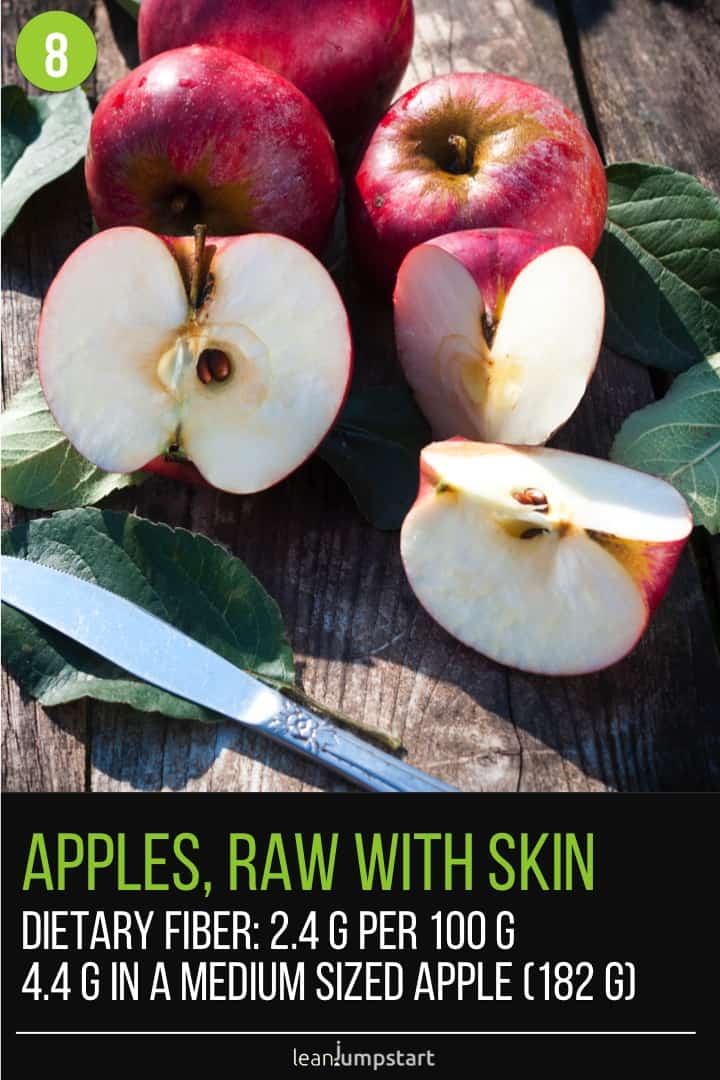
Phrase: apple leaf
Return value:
(180, 577)
(40, 469)
(20, 125)
(131, 6)
(659, 260)
(678, 439)
(42, 138)
(375, 448)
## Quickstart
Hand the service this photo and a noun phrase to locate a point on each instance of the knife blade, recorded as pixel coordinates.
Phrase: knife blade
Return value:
(158, 653)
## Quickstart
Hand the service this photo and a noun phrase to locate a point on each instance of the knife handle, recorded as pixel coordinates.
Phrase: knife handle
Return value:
(321, 740)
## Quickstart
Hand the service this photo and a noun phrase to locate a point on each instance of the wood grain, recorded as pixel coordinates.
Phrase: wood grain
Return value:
(362, 643)
(653, 71)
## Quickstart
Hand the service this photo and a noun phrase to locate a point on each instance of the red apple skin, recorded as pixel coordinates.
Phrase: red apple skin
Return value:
(239, 147)
(493, 257)
(659, 561)
(347, 56)
(651, 565)
(531, 165)
(184, 471)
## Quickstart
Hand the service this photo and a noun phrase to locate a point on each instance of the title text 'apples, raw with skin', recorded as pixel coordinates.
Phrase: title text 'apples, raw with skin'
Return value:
(236, 356)
(547, 561)
(203, 134)
(498, 333)
(348, 56)
(474, 151)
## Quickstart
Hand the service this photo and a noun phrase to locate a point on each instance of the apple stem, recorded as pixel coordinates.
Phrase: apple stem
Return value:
(200, 233)
(459, 153)
(179, 203)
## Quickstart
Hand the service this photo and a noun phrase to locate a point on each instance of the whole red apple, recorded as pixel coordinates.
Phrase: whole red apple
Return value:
(348, 56)
(202, 135)
(467, 151)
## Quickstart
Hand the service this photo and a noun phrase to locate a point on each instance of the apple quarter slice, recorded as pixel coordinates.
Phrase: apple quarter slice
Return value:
(244, 384)
(543, 560)
(498, 333)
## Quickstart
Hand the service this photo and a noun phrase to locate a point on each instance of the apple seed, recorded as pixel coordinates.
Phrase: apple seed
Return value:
(213, 365)
(219, 364)
(530, 533)
(204, 373)
(532, 497)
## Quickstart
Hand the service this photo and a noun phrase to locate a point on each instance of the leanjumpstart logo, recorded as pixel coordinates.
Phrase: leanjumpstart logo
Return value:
(362, 1059)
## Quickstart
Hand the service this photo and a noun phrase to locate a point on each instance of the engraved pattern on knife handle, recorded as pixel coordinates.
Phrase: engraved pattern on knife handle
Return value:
(304, 726)
(354, 758)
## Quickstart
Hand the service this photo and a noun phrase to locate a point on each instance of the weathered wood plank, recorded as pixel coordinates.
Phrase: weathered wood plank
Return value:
(653, 72)
(41, 751)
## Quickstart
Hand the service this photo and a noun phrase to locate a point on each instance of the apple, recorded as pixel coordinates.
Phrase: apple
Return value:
(203, 135)
(232, 354)
(498, 332)
(470, 151)
(348, 56)
(547, 561)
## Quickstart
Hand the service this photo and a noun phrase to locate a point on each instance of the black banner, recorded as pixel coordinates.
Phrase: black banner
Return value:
(346, 925)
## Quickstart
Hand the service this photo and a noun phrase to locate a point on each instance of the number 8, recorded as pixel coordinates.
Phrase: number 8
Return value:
(56, 61)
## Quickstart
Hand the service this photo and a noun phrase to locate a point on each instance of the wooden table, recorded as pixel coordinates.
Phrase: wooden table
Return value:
(646, 76)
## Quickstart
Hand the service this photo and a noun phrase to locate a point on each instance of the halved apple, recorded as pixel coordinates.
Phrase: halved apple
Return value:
(234, 355)
(498, 333)
(547, 561)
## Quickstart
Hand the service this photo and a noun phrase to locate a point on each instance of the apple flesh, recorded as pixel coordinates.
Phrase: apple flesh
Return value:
(202, 134)
(470, 151)
(235, 356)
(498, 333)
(547, 561)
(347, 56)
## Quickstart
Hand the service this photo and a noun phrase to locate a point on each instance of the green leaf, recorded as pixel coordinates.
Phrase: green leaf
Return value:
(375, 448)
(42, 137)
(21, 124)
(178, 576)
(660, 263)
(678, 439)
(131, 6)
(40, 469)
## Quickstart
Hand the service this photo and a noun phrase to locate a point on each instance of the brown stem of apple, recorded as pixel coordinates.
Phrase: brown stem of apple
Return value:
(196, 277)
(458, 154)
(179, 203)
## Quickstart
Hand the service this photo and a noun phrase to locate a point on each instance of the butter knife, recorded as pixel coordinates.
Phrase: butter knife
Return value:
(157, 653)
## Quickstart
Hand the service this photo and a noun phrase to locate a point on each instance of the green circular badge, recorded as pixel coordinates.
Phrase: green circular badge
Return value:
(56, 51)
